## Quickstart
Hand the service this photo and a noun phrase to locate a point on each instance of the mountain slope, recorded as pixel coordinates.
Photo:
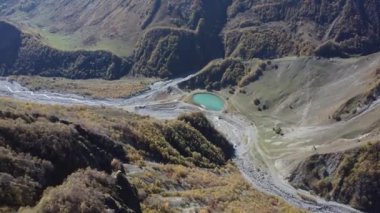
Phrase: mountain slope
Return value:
(24, 54)
(303, 106)
(89, 191)
(170, 164)
(272, 28)
(36, 147)
(116, 24)
(172, 52)
(173, 38)
(304, 102)
(351, 177)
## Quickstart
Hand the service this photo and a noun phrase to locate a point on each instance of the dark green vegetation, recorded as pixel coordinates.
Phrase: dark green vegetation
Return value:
(352, 177)
(168, 38)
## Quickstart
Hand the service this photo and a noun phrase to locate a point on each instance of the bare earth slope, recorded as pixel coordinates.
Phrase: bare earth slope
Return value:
(313, 106)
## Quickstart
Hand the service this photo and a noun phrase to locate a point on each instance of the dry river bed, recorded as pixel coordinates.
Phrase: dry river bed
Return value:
(238, 130)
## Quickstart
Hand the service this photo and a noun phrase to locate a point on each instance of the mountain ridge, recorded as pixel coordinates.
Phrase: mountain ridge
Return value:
(203, 30)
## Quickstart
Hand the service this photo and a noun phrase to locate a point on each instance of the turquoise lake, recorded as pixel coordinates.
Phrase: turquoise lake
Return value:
(208, 101)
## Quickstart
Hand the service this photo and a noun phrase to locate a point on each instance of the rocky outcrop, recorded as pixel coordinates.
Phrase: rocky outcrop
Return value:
(358, 104)
(351, 177)
(24, 54)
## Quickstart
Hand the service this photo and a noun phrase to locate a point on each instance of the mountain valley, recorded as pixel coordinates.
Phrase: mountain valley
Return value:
(97, 110)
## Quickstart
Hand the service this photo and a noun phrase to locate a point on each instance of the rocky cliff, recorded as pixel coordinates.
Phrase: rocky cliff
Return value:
(351, 177)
